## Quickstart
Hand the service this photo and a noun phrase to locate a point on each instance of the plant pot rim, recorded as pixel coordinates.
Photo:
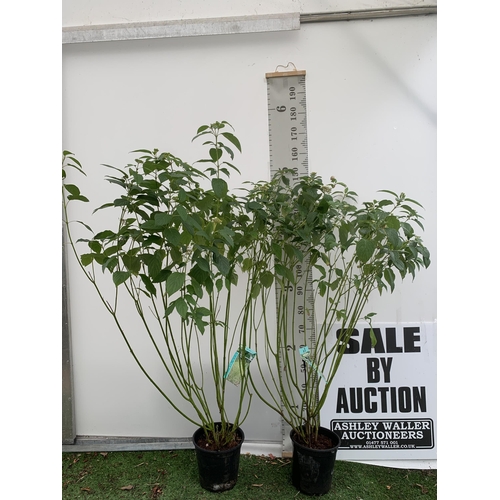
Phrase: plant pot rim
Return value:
(324, 431)
(196, 434)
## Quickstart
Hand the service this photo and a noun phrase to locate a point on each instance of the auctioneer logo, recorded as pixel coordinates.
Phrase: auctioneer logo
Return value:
(384, 434)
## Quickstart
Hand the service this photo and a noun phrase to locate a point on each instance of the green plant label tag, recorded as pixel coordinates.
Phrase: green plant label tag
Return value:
(305, 354)
(239, 364)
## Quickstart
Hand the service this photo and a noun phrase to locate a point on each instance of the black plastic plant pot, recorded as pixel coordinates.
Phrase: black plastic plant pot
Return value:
(218, 470)
(312, 469)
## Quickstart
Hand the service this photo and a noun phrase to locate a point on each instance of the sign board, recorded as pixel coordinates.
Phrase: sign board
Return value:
(382, 403)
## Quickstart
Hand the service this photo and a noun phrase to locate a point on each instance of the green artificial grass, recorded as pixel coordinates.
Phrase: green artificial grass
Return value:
(174, 475)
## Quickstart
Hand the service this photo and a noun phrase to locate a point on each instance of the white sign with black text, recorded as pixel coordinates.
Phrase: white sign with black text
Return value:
(382, 402)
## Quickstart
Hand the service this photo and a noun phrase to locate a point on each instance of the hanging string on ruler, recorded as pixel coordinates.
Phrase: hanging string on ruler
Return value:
(285, 67)
(294, 72)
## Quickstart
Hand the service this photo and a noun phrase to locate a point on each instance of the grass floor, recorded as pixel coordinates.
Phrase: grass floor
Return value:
(174, 475)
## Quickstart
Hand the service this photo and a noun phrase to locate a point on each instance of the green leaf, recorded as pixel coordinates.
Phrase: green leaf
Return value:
(72, 189)
(255, 291)
(175, 282)
(200, 324)
(162, 219)
(78, 198)
(85, 225)
(397, 262)
(233, 278)
(215, 154)
(202, 128)
(104, 235)
(149, 225)
(285, 272)
(222, 264)
(161, 276)
(203, 264)
(289, 250)
(114, 168)
(330, 242)
(393, 237)
(113, 249)
(132, 263)
(227, 234)
(148, 284)
(153, 263)
(149, 166)
(229, 151)
(409, 209)
(408, 229)
(365, 249)
(233, 139)
(393, 222)
(177, 255)
(254, 205)
(198, 274)
(344, 234)
(87, 258)
(276, 250)
(121, 202)
(173, 236)
(169, 309)
(182, 213)
(389, 277)
(267, 278)
(110, 263)
(150, 184)
(120, 277)
(414, 201)
(387, 191)
(220, 187)
(203, 311)
(196, 289)
(186, 238)
(181, 307)
(384, 203)
(95, 246)
(231, 166)
(247, 264)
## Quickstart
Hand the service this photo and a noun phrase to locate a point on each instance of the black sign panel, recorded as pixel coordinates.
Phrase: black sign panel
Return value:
(416, 434)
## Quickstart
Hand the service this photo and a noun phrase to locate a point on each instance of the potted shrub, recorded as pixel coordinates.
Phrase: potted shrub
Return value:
(310, 233)
(174, 256)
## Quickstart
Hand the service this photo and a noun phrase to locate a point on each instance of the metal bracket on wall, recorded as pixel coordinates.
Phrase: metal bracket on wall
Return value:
(356, 15)
(226, 25)
(182, 27)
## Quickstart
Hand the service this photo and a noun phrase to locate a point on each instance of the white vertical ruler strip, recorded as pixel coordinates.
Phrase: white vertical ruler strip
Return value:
(287, 113)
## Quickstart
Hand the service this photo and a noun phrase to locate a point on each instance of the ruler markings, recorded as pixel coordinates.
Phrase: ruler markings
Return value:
(287, 114)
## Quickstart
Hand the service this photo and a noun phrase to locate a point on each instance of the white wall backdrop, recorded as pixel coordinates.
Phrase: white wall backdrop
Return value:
(371, 95)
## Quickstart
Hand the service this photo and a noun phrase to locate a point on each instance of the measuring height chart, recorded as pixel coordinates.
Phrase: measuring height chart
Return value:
(287, 113)
(382, 403)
